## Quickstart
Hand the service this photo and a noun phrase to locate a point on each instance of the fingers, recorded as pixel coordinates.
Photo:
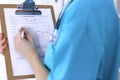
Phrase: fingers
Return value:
(24, 29)
(27, 34)
(3, 48)
(19, 34)
(3, 45)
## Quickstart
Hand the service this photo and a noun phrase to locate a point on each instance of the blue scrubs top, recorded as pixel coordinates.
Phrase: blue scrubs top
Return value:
(87, 46)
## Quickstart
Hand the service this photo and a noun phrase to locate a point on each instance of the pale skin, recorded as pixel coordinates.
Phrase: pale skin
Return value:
(28, 51)
(3, 43)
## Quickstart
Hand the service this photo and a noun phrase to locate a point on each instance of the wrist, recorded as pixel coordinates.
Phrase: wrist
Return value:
(33, 57)
(40, 71)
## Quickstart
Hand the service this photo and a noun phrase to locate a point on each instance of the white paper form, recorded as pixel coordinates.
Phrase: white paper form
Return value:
(39, 26)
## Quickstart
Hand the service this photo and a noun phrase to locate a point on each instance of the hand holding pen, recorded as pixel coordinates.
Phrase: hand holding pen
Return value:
(25, 45)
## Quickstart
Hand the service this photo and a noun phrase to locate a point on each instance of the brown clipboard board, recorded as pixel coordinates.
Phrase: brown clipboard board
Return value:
(9, 69)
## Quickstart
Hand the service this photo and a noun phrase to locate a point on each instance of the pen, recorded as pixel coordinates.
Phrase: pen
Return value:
(22, 35)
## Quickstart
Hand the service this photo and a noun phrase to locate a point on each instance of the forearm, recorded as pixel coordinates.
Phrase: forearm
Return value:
(41, 72)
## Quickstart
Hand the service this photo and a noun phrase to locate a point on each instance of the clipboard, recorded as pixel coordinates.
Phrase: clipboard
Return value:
(9, 68)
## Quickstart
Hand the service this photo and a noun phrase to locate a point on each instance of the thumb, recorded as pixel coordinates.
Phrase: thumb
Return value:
(20, 32)
(27, 35)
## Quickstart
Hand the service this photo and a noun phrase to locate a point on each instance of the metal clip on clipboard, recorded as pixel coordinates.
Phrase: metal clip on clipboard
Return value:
(28, 8)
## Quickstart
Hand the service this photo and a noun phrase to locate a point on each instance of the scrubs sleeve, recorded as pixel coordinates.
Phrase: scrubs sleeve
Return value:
(78, 51)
